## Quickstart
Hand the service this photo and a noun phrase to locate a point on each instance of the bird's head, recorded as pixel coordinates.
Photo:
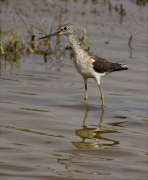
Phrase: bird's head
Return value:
(65, 29)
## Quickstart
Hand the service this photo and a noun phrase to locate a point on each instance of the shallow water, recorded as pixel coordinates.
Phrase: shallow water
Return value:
(47, 132)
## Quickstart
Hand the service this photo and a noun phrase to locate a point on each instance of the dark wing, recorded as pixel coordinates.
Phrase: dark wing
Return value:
(101, 65)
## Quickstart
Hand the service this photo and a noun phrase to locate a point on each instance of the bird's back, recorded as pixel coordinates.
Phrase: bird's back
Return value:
(103, 66)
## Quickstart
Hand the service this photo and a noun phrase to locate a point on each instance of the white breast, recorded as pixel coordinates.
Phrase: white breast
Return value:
(85, 67)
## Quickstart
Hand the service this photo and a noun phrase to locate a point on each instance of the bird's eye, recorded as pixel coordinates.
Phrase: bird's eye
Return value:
(65, 28)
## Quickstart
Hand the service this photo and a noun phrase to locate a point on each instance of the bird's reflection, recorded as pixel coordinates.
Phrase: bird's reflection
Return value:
(129, 44)
(94, 134)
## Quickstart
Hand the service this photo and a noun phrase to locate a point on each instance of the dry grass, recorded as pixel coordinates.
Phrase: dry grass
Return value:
(13, 45)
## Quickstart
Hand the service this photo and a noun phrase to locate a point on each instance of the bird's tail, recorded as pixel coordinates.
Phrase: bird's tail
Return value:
(121, 67)
(124, 66)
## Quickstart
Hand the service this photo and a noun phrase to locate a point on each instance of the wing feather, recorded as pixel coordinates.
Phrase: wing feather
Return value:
(101, 65)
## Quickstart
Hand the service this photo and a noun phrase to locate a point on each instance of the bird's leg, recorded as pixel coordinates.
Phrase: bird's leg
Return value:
(86, 114)
(102, 95)
(86, 92)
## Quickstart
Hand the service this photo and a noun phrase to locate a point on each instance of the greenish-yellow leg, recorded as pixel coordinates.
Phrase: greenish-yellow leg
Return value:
(86, 92)
(102, 95)
(86, 114)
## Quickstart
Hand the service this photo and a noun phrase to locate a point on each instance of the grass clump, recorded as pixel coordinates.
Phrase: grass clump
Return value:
(11, 48)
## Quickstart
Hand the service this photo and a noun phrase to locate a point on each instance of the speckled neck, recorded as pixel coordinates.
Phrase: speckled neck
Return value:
(75, 43)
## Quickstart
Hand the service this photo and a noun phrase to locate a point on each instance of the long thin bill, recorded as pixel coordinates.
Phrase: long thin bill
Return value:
(48, 36)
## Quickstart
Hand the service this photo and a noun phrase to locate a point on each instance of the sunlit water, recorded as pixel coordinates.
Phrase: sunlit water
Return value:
(47, 132)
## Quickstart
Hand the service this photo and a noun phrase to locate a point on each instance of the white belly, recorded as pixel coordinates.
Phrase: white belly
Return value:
(87, 71)
(84, 69)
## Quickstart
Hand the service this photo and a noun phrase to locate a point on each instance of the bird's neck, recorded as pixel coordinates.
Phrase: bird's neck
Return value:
(75, 43)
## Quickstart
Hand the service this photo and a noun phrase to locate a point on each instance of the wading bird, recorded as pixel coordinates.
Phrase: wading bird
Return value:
(89, 66)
